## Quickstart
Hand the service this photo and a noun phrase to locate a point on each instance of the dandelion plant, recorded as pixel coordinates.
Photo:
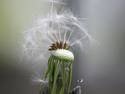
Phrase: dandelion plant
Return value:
(52, 40)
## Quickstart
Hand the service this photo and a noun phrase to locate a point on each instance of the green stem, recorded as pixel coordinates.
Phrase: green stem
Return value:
(49, 66)
(70, 77)
(63, 78)
(55, 77)
(50, 77)
(46, 74)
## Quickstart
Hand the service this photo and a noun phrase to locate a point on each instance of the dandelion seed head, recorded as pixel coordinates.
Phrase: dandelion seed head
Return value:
(56, 27)
(64, 27)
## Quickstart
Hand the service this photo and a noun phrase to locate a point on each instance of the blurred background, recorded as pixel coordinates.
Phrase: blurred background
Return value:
(103, 65)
